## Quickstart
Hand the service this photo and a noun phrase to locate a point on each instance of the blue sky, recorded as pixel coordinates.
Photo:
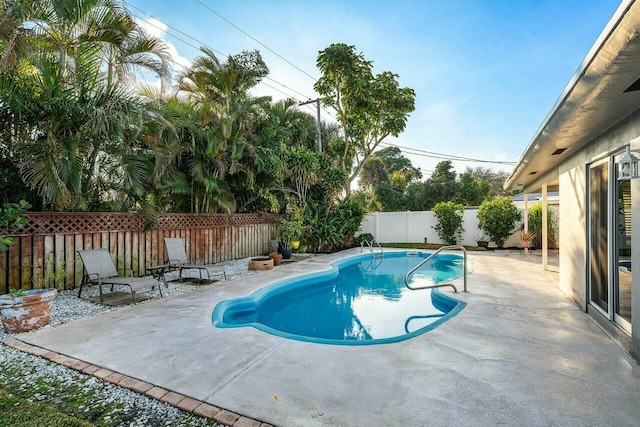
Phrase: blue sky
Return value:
(485, 72)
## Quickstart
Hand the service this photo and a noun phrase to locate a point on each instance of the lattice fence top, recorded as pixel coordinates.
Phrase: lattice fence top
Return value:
(179, 221)
(79, 222)
(82, 222)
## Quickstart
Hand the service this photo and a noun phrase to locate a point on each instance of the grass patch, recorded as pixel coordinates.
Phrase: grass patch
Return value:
(17, 411)
(35, 392)
(432, 246)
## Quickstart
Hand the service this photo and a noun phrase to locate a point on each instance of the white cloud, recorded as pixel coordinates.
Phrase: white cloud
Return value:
(157, 28)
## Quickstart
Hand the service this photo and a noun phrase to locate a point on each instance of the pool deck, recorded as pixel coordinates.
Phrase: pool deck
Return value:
(520, 353)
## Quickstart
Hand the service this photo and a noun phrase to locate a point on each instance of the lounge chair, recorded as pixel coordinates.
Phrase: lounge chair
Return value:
(178, 259)
(100, 270)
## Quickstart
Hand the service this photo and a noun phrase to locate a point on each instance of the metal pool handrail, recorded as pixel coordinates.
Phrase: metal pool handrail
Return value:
(373, 254)
(413, 270)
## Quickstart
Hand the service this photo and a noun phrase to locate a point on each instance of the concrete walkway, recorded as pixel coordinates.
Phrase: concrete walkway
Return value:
(520, 353)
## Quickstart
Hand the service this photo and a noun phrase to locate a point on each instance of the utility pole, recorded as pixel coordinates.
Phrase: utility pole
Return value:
(318, 132)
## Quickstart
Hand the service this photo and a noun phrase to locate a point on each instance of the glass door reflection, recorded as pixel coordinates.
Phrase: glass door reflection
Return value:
(622, 254)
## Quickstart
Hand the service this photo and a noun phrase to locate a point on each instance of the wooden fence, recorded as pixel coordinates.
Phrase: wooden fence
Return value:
(44, 254)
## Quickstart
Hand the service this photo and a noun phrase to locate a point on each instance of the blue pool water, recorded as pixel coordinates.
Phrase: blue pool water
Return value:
(360, 301)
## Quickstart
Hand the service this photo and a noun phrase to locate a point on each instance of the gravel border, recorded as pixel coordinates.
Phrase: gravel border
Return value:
(35, 373)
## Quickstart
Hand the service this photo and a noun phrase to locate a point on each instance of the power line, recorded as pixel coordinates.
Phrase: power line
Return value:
(258, 41)
(174, 28)
(326, 115)
(443, 156)
(212, 48)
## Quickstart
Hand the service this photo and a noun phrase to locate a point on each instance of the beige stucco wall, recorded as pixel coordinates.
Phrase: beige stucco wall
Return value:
(574, 210)
(572, 223)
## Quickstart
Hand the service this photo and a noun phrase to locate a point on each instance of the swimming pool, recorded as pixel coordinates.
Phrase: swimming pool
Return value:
(359, 301)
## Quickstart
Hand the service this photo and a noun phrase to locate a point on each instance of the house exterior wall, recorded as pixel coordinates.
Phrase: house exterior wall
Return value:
(574, 210)
(572, 224)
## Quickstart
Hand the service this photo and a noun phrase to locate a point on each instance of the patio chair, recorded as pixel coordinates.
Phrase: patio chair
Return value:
(178, 259)
(100, 270)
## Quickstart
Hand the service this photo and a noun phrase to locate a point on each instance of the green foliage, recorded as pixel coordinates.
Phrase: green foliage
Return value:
(362, 237)
(385, 175)
(440, 187)
(449, 216)
(332, 225)
(65, 80)
(495, 180)
(302, 169)
(218, 156)
(11, 185)
(535, 225)
(368, 108)
(472, 191)
(390, 184)
(22, 412)
(289, 230)
(425, 246)
(498, 218)
(11, 221)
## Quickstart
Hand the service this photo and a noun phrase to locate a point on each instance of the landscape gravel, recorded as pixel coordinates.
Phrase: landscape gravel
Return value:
(123, 407)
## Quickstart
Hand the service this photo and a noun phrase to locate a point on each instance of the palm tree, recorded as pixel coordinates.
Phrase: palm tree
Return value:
(223, 155)
(294, 127)
(102, 31)
(77, 121)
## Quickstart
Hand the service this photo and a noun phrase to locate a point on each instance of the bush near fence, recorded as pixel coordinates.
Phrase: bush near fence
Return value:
(44, 253)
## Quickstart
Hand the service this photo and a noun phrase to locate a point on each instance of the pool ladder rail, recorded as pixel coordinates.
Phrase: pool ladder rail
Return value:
(429, 258)
(370, 245)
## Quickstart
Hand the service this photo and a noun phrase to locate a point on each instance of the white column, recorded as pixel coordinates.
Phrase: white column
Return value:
(376, 224)
(526, 217)
(545, 236)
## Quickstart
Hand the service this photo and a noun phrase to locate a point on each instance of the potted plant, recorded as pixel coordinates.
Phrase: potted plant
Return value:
(526, 237)
(22, 310)
(482, 241)
(288, 231)
(276, 257)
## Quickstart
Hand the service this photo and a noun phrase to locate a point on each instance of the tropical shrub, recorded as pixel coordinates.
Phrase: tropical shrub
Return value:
(334, 226)
(498, 218)
(289, 230)
(535, 225)
(449, 226)
(10, 221)
(362, 237)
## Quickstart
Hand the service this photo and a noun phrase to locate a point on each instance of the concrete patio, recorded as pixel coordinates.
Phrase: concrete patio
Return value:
(520, 353)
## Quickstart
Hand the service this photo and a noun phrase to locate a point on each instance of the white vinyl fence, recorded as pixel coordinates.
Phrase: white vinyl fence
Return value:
(417, 227)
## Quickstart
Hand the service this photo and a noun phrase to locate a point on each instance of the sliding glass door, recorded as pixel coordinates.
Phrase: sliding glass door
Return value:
(609, 233)
(622, 254)
(599, 236)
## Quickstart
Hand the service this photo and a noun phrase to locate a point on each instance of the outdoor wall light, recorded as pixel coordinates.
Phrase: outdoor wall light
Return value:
(628, 166)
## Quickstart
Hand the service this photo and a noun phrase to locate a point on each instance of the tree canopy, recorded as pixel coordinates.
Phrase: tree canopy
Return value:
(389, 182)
(368, 108)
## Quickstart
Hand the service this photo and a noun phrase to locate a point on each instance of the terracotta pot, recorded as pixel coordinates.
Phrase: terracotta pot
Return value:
(276, 257)
(526, 243)
(27, 312)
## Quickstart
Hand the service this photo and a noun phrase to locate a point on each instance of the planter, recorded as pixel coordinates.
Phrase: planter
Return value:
(276, 257)
(27, 312)
(286, 253)
(482, 244)
(261, 264)
(526, 243)
(273, 246)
